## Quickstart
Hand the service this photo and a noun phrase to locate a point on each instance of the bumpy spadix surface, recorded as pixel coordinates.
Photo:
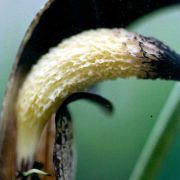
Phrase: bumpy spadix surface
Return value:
(74, 65)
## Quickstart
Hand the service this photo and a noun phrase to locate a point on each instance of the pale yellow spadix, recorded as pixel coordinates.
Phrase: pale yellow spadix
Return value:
(74, 65)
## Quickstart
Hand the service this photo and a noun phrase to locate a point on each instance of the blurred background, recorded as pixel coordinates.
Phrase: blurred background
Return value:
(107, 146)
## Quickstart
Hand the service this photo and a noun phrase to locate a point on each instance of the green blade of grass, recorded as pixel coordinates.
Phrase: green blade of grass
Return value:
(160, 139)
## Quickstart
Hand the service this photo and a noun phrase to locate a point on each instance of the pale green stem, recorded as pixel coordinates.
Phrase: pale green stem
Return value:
(34, 171)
